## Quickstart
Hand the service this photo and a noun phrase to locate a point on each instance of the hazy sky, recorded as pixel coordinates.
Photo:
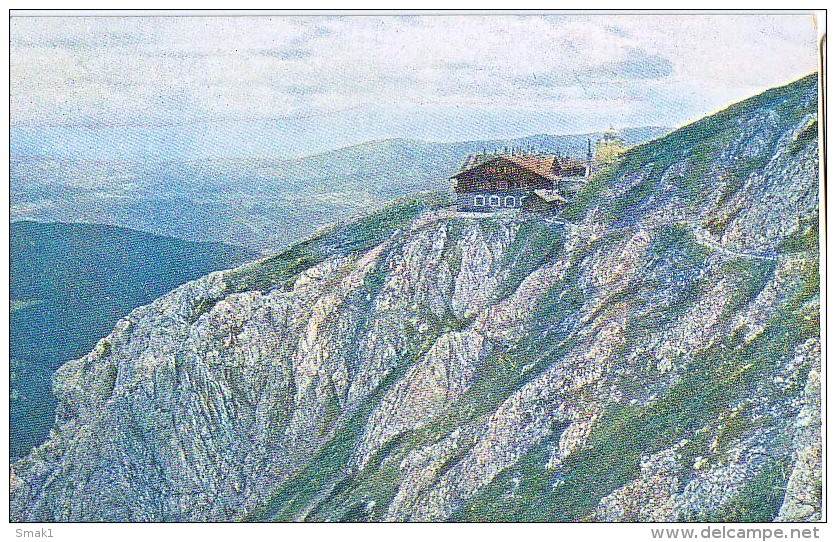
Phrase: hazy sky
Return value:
(287, 86)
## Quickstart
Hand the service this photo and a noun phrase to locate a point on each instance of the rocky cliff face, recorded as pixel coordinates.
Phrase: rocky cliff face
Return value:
(651, 354)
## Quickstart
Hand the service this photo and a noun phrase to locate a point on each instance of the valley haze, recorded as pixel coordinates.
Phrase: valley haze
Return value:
(264, 205)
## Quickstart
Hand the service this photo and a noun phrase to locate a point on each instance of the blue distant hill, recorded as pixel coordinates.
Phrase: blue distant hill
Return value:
(70, 283)
(262, 204)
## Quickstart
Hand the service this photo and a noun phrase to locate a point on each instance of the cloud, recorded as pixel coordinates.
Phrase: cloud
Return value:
(617, 30)
(74, 33)
(70, 70)
(636, 64)
(295, 53)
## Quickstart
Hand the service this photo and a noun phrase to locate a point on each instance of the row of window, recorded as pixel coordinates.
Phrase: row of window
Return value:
(494, 201)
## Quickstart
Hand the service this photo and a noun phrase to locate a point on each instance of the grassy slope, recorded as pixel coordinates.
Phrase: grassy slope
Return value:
(698, 142)
(714, 382)
(322, 491)
(304, 494)
(717, 379)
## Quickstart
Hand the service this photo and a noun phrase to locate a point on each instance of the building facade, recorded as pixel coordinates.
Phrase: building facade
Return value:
(485, 201)
(493, 183)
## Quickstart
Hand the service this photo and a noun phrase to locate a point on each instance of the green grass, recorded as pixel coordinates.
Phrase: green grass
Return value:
(537, 243)
(755, 274)
(352, 237)
(620, 438)
(808, 135)
(761, 498)
(805, 238)
(719, 377)
(20, 304)
(699, 144)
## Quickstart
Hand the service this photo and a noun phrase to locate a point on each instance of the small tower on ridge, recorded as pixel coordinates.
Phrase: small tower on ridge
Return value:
(588, 156)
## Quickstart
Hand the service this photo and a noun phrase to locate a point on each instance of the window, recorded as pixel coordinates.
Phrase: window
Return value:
(510, 201)
(494, 201)
(479, 201)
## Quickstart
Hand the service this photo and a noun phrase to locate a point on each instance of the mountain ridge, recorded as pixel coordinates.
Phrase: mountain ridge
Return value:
(249, 201)
(654, 355)
(632, 133)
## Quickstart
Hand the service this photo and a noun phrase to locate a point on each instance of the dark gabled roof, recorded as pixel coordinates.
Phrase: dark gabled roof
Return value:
(547, 167)
(542, 166)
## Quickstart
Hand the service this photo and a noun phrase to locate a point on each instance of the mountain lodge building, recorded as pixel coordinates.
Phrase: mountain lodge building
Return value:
(488, 183)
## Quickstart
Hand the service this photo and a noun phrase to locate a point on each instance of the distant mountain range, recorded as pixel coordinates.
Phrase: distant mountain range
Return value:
(70, 283)
(264, 205)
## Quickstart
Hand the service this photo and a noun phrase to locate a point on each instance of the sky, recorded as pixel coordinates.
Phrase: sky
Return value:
(159, 88)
